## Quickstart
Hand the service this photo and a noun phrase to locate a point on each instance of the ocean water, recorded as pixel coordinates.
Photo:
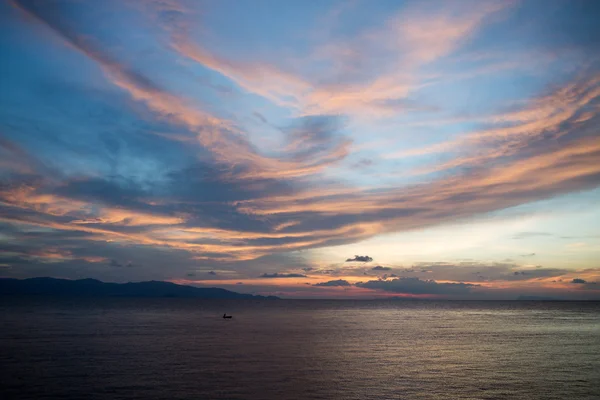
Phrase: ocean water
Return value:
(52, 348)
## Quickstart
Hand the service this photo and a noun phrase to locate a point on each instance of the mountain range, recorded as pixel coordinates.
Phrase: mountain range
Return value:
(96, 288)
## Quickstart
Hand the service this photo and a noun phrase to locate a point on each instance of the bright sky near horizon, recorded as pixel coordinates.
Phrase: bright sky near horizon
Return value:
(304, 148)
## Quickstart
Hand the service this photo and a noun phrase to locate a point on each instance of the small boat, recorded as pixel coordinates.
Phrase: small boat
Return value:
(227, 316)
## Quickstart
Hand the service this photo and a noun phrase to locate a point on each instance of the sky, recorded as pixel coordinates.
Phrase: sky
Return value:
(330, 149)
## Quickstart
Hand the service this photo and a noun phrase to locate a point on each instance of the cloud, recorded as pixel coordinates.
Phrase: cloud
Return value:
(115, 263)
(157, 169)
(263, 79)
(278, 275)
(380, 268)
(212, 273)
(260, 117)
(526, 130)
(526, 235)
(368, 74)
(417, 286)
(222, 138)
(482, 190)
(478, 271)
(339, 282)
(578, 280)
(360, 259)
(528, 255)
(363, 163)
(340, 214)
(15, 158)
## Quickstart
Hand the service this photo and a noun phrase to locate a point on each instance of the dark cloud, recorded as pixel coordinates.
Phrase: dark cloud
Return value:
(326, 271)
(528, 255)
(339, 282)
(205, 182)
(115, 263)
(417, 286)
(212, 273)
(278, 275)
(260, 117)
(116, 190)
(363, 163)
(307, 269)
(107, 261)
(360, 259)
(578, 280)
(380, 268)
(314, 135)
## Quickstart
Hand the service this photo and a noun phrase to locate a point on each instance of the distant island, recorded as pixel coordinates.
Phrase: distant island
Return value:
(96, 288)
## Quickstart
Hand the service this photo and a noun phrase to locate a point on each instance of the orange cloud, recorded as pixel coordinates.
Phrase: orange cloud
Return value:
(27, 197)
(124, 217)
(533, 121)
(408, 40)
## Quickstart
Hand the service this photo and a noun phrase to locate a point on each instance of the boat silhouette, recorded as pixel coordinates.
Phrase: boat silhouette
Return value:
(227, 316)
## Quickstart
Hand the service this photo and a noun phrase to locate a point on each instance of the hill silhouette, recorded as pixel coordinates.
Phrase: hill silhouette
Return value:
(96, 288)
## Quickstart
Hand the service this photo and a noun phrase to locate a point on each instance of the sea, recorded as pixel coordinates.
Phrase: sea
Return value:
(172, 348)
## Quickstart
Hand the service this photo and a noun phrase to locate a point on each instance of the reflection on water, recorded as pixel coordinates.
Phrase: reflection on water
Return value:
(183, 348)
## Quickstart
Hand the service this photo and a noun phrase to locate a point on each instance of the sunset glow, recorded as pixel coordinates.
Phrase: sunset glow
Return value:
(359, 149)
